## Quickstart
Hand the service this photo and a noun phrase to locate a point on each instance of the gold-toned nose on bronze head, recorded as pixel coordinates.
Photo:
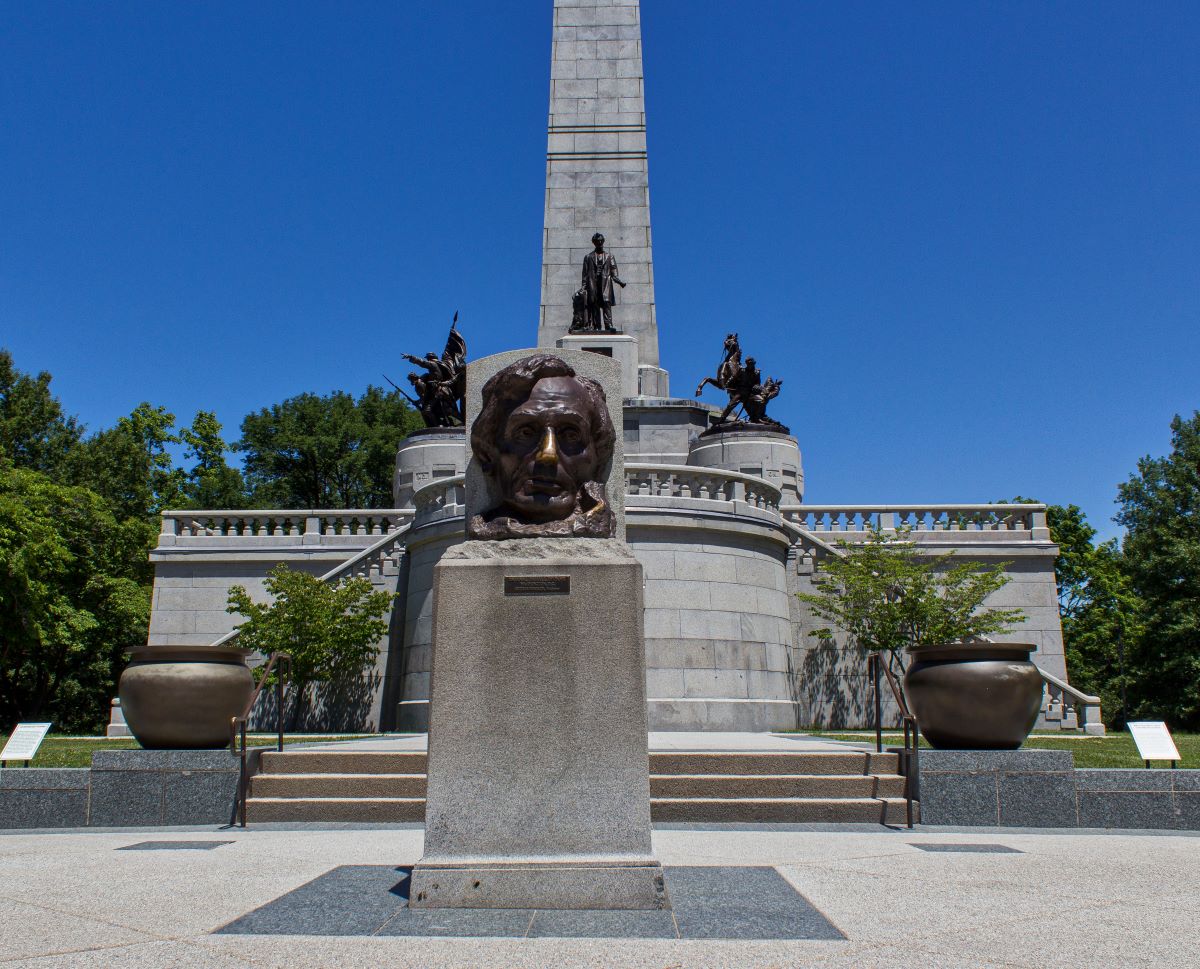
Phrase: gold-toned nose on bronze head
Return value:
(548, 449)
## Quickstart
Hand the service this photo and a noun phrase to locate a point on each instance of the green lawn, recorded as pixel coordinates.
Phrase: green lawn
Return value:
(1115, 750)
(60, 751)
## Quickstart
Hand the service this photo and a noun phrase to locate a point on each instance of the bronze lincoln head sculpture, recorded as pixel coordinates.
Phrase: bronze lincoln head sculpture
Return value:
(544, 438)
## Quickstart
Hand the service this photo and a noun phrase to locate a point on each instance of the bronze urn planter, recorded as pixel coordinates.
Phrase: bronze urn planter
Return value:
(975, 696)
(184, 697)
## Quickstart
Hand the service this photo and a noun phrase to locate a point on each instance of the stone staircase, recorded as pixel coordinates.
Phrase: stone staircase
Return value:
(812, 786)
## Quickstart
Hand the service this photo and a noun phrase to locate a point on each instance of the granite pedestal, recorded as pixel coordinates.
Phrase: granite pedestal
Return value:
(1009, 788)
(538, 792)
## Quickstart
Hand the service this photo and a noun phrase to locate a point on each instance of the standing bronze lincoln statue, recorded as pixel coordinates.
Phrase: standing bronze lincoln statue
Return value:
(596, 292)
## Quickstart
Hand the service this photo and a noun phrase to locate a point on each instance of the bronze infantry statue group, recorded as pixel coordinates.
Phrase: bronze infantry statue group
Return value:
(442, 388)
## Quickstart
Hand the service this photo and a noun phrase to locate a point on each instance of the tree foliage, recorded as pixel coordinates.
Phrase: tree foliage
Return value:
(889, 596)
(330, 630)
(131, 465)
(34, 431)
(78, 515)
(1100, 611)
(211, 483)
(1160, 508)
(326, 452)
(74, 595)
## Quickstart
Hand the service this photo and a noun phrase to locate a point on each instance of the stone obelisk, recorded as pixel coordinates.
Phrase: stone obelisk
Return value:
(597, 177)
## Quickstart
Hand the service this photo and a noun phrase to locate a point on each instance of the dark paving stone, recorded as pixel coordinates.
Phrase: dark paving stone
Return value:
(124, 798)
(1109, 779)
(708, 903)
(498, 923)
(44, 779)
(43, 808)
(1127, 809)
(1038, 800)
(970, 761)
(958, 798)
(198, 797)
(350, 900)
(604, 925)
(1187, 810)
(742, 903)
(980, 849)
(174, 845)
(170, 760)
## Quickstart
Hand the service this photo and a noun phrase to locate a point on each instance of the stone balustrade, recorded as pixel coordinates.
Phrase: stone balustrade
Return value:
(713, 484)
(303, 525)
(1066, 708)
(441, 499)
(1029, 519)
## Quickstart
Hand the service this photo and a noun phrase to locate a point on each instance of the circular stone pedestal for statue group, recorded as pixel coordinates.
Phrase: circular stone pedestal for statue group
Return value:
(755, 449)
(424, 456)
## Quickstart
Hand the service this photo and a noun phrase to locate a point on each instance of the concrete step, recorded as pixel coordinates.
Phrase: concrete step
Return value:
(844, 810)
(338, 785)
(810, 762)
(858, 762)
(758, 786)
(341, 762)
(889, 810)
(379, 809)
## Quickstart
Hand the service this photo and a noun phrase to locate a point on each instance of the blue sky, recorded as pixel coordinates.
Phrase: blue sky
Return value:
(966, 235)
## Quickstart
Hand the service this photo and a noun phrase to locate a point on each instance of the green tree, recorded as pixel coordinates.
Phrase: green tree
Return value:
(211, 482)
(889, 596)
(330, 630)
(326, 452)
(1160, 508)
(131, 466)
(34, 431)
(74, 596)
(1101, 612)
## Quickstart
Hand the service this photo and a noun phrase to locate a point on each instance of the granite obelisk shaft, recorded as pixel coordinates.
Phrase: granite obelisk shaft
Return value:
(596, 168)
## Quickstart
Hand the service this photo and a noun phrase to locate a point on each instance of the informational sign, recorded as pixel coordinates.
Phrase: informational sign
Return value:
(537, 585)
(25, 741)
(1153, 740)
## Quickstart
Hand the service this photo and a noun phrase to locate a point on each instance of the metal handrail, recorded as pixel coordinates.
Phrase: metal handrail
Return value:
(237, 727)
(912, 738)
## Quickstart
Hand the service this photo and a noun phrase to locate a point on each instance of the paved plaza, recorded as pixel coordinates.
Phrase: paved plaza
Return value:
(752, 895)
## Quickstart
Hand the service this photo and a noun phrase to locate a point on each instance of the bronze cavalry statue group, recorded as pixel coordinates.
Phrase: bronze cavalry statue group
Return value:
(747, 390)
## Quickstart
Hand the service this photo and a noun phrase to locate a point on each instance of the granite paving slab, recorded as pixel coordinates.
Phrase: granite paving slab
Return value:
(973, 848)
(707, 903)
(174, 846)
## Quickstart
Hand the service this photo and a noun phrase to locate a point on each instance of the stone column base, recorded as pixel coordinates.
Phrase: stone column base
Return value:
(538, 792)
(512, 883)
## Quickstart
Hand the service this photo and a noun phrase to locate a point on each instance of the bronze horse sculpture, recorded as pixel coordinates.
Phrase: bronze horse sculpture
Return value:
(730, 367)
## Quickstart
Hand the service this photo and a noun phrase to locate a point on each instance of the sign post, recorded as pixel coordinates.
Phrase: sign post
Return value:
(24, 743)
(1154, 741)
